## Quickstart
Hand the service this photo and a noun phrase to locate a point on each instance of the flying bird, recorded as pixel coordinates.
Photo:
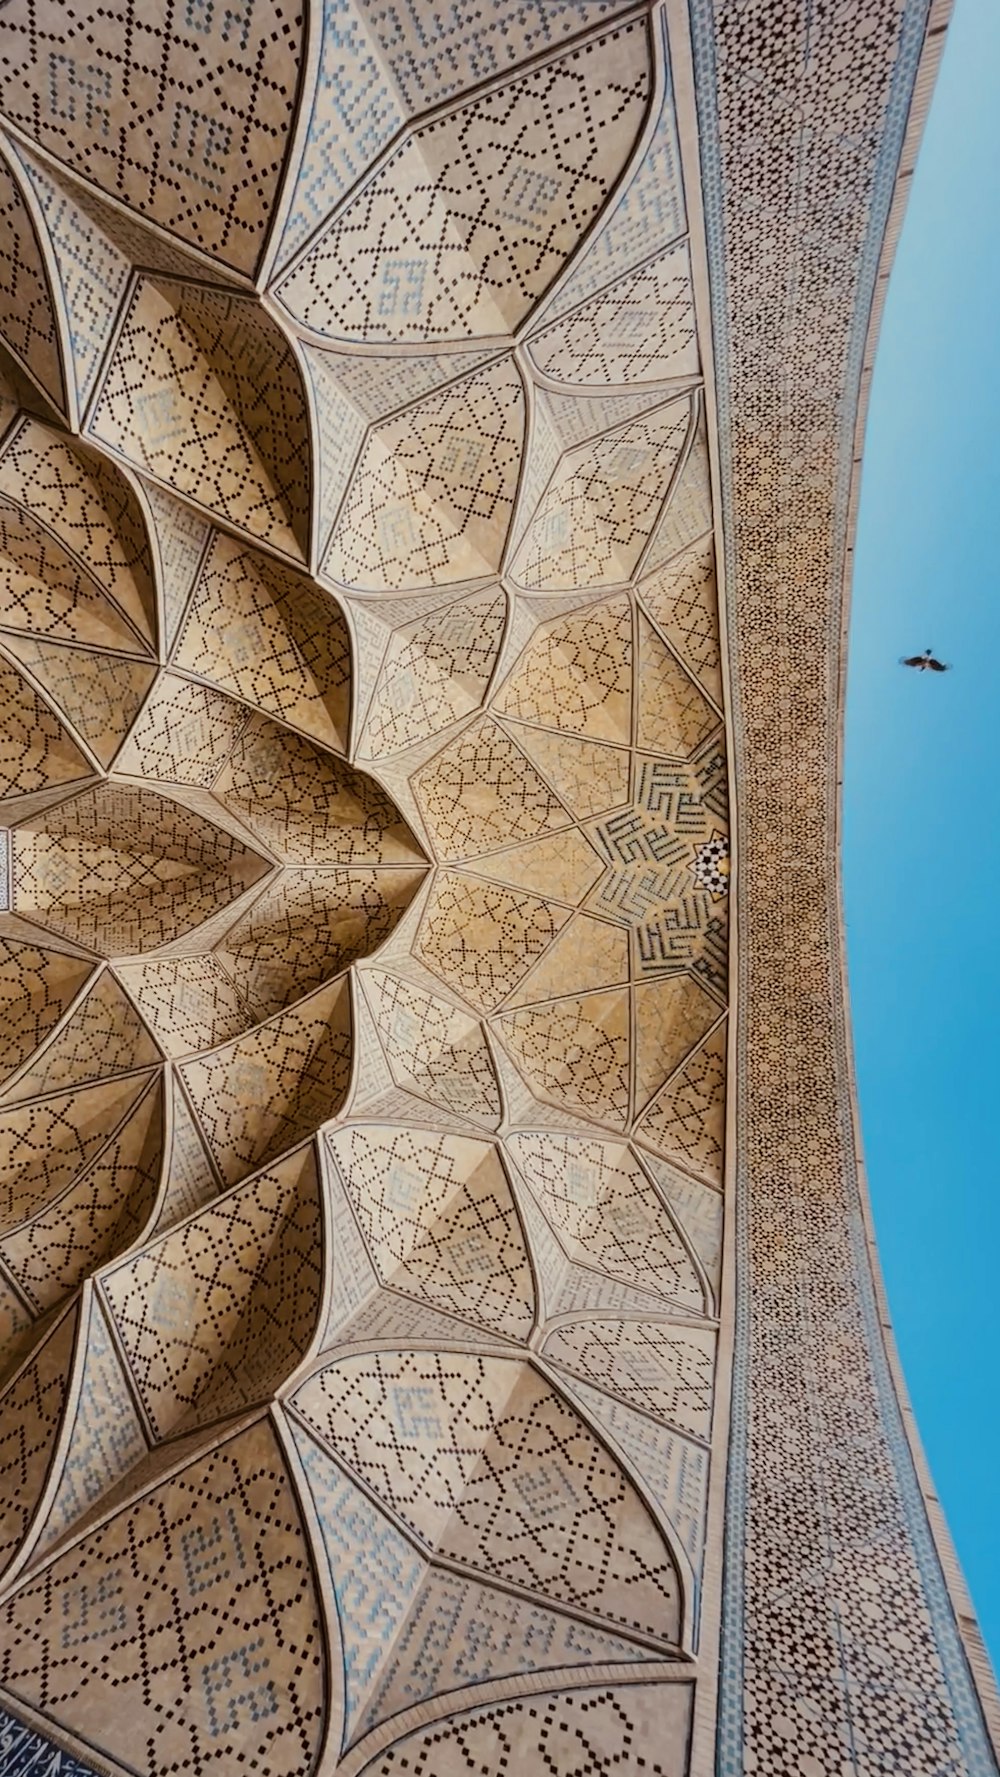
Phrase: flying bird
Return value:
(925, 662)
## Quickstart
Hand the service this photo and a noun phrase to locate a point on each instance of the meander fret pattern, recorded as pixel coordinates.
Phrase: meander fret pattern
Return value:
(364, 960)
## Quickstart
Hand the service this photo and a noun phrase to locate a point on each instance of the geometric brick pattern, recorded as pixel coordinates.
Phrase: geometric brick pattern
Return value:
(307, 805)
(262, 633)
(91, 269)
(433, 1049)
(599, 509)
(688, 513)
(31, 1406)
(602, 1021)
(363, 993)
(202, 1312)
(189, 131)
(69, 502)
(35, 750)
(46, 589)
(482, 791)
(123, 870)
(434, 672)
(662, 1368)
(681, 599)
(605, 1212)
(812, 1340)
(203, 392)
(641, 329)
(604, 1727)
(183, 734)
(107, 1206)
(106, 1436)
(376, 70)
(271, 570)
(431, 498)
(486, 1463)
(481, 937)
(259, 1095)
(307, 926)
(686, 1122)
(410, 259)
(37, 986)
(47, 1143)
(200, 1562)
(100, 693)
(438, 1217)
(575, 675)
(411, 1630)
(27, 313)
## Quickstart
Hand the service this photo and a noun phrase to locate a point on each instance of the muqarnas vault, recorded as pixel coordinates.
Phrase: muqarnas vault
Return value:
(440, 1332)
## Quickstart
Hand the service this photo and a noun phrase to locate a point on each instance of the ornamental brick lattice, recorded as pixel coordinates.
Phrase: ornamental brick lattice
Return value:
(438, 1329)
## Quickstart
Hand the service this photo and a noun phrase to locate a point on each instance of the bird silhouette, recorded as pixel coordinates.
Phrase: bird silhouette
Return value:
(925, 662)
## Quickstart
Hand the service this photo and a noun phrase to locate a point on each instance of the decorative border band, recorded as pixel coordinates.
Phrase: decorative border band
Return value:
(735, 1742)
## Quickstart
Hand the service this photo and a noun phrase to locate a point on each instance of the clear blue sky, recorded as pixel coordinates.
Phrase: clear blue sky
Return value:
(922, 804)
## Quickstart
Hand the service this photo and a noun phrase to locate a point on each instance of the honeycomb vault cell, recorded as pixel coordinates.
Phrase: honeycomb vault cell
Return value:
(121, 869)
(371, 1297)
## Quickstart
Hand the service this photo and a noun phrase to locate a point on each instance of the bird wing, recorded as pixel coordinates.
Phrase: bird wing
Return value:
(937, 666)
(913, 660)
